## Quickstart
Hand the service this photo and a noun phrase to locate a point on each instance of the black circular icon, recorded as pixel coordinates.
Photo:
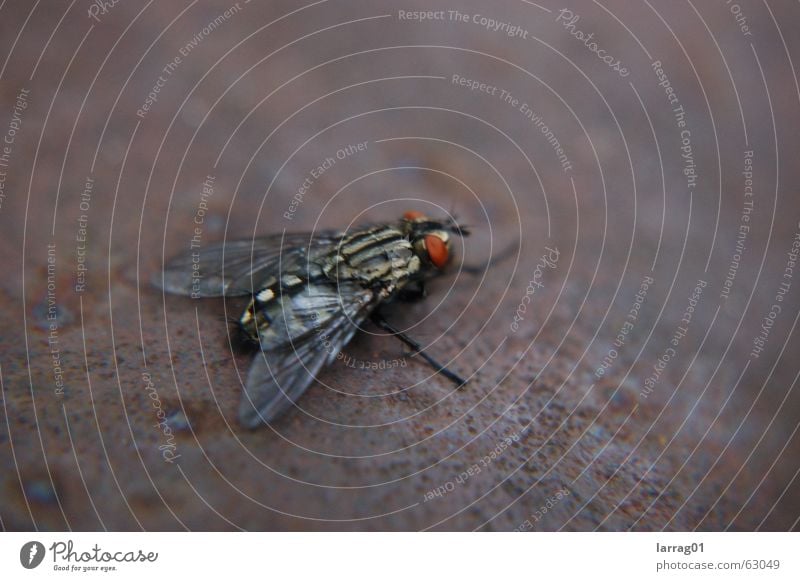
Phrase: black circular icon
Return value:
(31, 554)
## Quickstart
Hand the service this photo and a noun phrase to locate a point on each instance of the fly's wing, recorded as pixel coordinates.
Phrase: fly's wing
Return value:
(279, 376)
(237, 267)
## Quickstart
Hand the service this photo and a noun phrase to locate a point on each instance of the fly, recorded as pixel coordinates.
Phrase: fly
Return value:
(308, 295)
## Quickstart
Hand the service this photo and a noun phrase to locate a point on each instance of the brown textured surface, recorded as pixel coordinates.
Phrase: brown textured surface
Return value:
(708, 449)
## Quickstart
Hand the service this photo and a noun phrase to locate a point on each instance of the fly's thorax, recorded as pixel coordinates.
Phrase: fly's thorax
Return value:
(381, 255)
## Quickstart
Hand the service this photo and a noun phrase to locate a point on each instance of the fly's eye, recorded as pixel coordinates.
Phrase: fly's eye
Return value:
(413, 215)
(437, 250)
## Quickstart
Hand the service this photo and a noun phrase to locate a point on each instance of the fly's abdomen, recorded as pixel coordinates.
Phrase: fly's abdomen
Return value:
(282, 314)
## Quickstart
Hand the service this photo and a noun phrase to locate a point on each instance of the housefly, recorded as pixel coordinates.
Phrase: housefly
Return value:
(309, 293)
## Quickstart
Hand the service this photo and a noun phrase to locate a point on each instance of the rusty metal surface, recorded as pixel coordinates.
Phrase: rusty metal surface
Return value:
(621, 377)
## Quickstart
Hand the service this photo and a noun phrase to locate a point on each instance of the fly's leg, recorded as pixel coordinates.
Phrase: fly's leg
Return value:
(416, 348)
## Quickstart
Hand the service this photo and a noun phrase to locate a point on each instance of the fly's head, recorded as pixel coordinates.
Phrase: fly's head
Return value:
(431, 240)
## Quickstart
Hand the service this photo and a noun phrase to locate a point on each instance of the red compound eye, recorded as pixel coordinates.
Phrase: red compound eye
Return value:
(437, 250)
(412, 215)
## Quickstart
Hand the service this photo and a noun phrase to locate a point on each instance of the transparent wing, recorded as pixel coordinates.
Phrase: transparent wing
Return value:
(278, 377)
(238, 267)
